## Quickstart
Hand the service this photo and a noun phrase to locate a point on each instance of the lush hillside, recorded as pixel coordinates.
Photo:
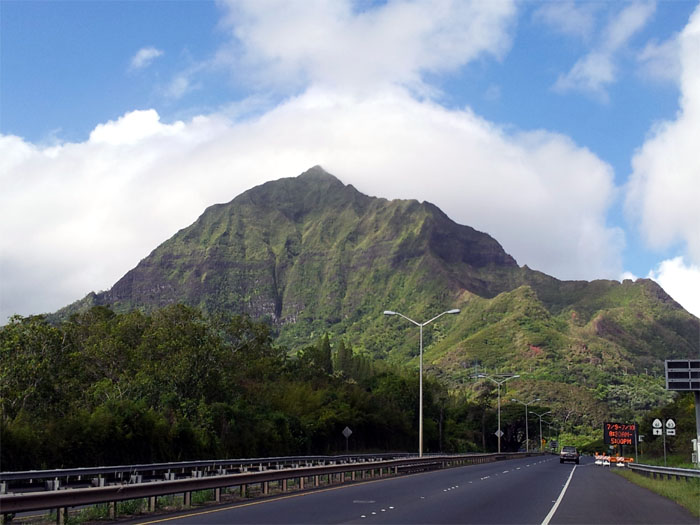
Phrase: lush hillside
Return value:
(309, 256)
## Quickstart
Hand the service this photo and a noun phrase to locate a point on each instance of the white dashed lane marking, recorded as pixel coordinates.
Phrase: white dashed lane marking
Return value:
(374, 513)
(444, 490)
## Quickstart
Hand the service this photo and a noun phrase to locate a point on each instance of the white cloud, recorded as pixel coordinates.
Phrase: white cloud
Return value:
(630, 20)
(663, 191)
(132, 128)
(179, 86)
(568, 17)
(594, 72)
(661, 61)
(628, 276)
(664, 188)
(681, 281)
(144, 57)
(91, 210)
(294, 44)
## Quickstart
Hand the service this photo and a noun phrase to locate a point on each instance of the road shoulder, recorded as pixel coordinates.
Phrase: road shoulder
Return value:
(597, 495)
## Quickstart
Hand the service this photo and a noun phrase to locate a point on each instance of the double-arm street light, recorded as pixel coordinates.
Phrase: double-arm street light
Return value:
(499, 433)
(527, 436)
(420, 372)
(540, 416)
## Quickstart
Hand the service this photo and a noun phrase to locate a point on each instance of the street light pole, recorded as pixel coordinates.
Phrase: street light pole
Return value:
(540, 416)
(420, 371)
(527, 435)
(499, 433)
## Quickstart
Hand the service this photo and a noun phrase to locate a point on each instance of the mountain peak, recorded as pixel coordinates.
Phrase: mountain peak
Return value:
(317, 172)
(295, 197)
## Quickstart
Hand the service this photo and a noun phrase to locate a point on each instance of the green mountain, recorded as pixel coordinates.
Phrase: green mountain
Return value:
(312, 256)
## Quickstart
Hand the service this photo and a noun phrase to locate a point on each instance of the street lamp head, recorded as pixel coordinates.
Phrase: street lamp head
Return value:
(389, 312)
(453, 311)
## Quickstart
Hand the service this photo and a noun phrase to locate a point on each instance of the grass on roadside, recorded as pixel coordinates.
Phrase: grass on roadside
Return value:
(685, 493)
(672, 460)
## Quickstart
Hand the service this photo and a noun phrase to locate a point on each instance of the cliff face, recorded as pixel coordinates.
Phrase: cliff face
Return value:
(308, 246)
(312, 255)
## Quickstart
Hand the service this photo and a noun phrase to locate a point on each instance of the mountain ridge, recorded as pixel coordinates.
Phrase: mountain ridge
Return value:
(313, 255)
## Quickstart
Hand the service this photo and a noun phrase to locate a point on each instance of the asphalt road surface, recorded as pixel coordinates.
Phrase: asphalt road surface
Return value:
(521, 491)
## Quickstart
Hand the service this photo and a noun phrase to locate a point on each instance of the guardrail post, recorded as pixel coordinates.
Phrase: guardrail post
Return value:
(266, 488)
(187, 499)
(152, 504)
(52, 484)
(112, 510)
(61, 515)
(284, 485)
(217, 494)
(244, 490)
(98, 482)
(317, 481)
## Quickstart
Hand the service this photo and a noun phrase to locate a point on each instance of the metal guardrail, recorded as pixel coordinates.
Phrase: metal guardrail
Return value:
(61, 500)
(669, 472)
(117, 471)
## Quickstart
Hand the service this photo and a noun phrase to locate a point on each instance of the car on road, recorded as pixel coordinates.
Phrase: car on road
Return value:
(569, 454)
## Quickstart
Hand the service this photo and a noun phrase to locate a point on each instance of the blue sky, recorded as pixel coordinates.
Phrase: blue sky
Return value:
(566, 130)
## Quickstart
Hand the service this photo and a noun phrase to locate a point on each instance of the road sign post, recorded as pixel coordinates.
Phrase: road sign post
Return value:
(667, 428)
(347, 433)
(657, 428)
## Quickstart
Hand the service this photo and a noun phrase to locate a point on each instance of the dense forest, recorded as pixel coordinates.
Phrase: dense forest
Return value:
(106, 388)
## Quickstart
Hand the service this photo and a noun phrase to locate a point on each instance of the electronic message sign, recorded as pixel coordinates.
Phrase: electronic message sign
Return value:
(619, 433)
(683, 375)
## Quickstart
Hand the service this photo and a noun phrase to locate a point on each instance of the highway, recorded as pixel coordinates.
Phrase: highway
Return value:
(521, 491)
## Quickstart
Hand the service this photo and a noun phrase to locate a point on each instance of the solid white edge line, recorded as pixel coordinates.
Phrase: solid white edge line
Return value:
(561, 497)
